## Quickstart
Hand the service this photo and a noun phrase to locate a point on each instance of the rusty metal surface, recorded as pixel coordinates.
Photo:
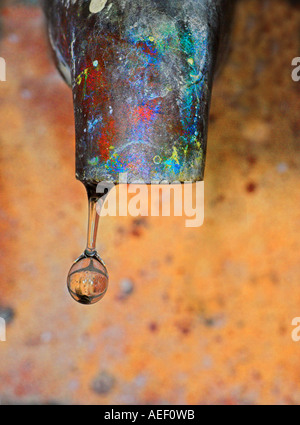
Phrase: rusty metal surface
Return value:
(192, 316)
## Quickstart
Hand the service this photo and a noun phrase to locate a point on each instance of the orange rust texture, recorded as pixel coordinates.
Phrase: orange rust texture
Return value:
(208, 319)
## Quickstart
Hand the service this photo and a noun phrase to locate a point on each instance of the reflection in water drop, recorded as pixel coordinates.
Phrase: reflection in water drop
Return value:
(88, 278)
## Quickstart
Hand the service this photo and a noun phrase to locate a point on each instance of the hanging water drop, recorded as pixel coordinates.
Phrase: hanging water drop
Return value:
(88, 278)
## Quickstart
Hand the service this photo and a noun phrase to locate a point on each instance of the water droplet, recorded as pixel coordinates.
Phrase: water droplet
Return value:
(88, 279)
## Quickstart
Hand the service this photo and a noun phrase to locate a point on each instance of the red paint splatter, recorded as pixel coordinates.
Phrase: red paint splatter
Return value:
(145, 113)
(105, 139)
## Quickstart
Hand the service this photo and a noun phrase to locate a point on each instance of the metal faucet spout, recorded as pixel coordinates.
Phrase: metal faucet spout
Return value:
(141, 73)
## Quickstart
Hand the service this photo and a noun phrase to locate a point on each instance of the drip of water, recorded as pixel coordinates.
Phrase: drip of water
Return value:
(88, 278)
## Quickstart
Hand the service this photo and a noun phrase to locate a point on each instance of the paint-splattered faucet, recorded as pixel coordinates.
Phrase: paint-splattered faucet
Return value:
(141, 72)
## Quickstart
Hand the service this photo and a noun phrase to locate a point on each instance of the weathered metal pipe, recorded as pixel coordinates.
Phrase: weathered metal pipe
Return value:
(141, 72)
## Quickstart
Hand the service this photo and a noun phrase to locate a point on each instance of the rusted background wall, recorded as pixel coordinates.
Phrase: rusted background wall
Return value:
(192, 315)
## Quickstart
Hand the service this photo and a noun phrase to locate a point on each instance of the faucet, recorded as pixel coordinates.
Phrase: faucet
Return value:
(141, 73)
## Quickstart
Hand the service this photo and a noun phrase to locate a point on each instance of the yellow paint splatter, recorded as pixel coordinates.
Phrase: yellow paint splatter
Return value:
(174, 156)
(82, 75)
(97, 5)
(157, 159)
